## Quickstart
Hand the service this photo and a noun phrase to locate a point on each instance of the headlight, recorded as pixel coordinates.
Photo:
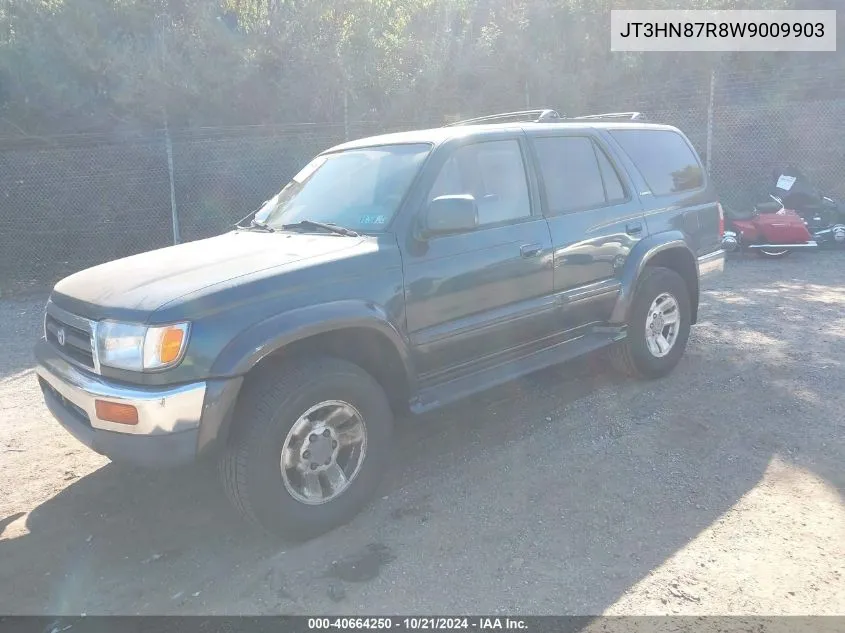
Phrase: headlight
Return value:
(139, 347)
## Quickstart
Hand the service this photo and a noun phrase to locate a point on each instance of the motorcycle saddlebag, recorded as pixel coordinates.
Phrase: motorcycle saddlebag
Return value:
(788, 228)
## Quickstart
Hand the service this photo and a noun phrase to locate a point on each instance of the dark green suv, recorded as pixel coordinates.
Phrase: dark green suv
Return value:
(392, 274)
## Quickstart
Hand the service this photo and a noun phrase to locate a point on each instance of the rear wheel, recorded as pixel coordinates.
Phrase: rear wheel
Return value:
(311, 444)
(658, 326)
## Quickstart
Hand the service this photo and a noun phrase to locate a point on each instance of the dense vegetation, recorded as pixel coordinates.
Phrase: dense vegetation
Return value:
(71, 66)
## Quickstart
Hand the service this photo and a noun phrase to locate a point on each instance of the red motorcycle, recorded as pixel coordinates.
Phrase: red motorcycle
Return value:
(770, 229)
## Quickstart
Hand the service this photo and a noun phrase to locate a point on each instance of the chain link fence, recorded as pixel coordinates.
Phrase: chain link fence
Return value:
(78, 203)
(67, 203)
(70, 202)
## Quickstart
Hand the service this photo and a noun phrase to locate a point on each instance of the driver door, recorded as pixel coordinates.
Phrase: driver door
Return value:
(481, 297)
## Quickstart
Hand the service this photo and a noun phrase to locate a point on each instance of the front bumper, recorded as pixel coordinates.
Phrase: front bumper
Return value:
(168, 429)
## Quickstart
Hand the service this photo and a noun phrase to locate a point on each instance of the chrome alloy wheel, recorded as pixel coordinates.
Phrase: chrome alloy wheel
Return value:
(323, 452)
(662, 325)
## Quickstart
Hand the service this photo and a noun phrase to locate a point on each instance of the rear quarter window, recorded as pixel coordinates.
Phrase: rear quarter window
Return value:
(664, 158)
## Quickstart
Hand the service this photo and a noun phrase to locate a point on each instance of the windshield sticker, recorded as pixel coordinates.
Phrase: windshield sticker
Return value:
(372, 219)
(786, 182)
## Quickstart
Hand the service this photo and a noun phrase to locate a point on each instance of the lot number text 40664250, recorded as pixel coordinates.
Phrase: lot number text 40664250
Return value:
(418, 623)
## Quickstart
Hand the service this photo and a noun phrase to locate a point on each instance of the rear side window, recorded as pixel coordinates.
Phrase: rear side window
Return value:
(576, 174)
(664, 159)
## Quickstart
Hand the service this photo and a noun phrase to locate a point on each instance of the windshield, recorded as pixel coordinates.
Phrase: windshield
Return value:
(359, 189)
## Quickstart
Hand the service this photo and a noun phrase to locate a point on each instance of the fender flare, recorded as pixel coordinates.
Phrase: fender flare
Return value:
(271, 335)
(643, 251)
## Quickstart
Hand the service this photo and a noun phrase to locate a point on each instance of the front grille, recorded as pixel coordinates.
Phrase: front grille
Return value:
(67, 405)
(77, 342)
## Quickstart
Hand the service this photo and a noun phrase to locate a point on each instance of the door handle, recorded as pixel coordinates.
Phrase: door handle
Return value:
(633, 228)
(530, 250)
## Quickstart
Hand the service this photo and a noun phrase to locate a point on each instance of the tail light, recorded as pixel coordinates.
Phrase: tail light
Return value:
(721, 219)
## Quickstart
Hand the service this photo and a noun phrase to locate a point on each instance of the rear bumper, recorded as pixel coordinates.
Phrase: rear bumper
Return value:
(711, 264)
(170, 419)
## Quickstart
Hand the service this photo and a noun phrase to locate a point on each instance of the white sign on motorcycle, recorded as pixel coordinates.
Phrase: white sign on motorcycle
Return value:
(786, 182)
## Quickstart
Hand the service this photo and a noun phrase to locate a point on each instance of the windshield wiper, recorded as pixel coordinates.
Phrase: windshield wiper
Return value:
(328, 226)
(249, 216)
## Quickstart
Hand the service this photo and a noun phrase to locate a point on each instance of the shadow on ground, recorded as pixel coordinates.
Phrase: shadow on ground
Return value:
(554, 494)
(22, 318)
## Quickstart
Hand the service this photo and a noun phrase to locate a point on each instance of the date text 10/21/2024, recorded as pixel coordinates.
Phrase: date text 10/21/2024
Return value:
(418, 623)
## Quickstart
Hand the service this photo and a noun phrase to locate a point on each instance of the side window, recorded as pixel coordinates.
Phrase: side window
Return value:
(571, 175)
(448, 181)
(663, 157)
(612, 185)
(493, 173)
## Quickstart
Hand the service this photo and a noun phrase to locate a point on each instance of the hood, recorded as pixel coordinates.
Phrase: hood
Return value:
(142, 283)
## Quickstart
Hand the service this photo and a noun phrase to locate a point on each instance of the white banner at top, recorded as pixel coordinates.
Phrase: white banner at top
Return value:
(702, 31)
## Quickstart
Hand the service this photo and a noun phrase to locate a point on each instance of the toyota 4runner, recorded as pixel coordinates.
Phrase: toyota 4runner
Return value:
(392, 274)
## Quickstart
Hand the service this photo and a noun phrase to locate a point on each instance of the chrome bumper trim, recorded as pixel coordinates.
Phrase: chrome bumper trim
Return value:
(791, 247)
(711, 264)
(160, 409)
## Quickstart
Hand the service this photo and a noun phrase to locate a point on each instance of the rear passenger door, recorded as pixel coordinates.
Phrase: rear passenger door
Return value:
(594, 220)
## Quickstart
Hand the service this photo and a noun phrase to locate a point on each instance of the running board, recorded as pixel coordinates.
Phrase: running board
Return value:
(791, 247)
(446, 393)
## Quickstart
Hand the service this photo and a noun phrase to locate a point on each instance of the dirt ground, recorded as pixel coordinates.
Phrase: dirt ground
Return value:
(717, 490)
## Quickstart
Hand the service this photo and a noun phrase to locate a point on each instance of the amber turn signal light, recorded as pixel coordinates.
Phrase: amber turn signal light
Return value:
(116, 412)
(171, 345)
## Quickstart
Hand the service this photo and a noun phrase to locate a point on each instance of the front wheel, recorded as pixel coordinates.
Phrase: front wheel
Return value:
(658, 326)
(310, 444)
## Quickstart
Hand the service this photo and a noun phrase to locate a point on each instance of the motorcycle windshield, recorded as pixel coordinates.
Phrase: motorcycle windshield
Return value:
(796, 191)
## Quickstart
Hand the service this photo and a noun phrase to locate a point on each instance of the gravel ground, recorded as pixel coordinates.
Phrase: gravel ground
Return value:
(717, 490)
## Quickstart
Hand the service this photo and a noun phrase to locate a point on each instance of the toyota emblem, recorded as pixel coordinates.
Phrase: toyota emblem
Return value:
(60, 336)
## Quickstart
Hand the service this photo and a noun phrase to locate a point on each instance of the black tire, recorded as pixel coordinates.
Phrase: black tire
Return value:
(267, 408)
(631, 356)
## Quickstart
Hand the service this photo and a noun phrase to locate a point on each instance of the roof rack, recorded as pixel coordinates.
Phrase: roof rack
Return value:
(547, 115)
(541, 117)
(630, 116)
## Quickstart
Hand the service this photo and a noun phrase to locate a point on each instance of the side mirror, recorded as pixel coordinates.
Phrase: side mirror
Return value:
(450, 214)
